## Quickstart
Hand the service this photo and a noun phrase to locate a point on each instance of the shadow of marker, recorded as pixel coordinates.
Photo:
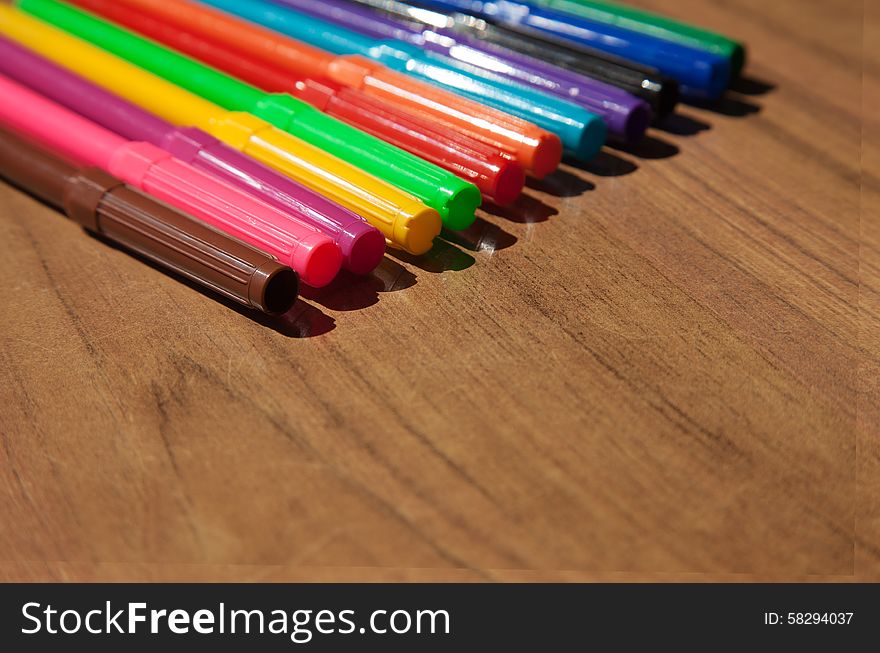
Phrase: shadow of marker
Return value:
(680, 124)
(443, 257)
(347, 292)
(649, 148)
(747, 85)
(352, 292)
(561, 184)
(393, 276)
(526, 210)
(482, 236)
(728, 105)
(604, 164)
(301, 321)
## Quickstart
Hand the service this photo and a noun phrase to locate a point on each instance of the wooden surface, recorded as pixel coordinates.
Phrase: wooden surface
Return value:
(662, 365)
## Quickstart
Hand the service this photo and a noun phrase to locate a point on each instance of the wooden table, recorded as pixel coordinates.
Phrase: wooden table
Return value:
(660, 365)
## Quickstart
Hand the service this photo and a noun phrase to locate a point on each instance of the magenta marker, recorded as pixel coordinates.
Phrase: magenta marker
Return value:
(626, 116)
(362, 245)
(313, 255)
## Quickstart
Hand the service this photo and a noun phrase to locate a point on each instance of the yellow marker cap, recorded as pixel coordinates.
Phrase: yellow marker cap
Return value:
(405, 221)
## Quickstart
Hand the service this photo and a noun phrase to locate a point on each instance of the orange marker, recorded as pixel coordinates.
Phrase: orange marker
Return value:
(536, 149)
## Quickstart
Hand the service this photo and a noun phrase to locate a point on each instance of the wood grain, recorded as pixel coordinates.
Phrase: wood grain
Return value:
(661, 365)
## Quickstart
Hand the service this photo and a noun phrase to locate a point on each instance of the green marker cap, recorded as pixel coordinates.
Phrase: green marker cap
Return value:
(652, 24)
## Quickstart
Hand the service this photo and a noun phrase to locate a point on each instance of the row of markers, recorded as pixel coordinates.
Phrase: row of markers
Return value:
(286, 140)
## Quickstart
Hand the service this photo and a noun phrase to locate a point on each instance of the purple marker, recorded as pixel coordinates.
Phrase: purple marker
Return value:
(362, 245)
(626, 115)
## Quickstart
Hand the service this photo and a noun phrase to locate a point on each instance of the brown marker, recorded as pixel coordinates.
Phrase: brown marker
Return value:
(103, 204)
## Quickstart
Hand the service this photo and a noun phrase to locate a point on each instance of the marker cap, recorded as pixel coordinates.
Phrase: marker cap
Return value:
(104, 205)
(539, 151)
(455, 199)
(381, 204)
(581, 132)
(490, 169)
(362, 245)
(662, 27)
(172, 240)
(314, 256)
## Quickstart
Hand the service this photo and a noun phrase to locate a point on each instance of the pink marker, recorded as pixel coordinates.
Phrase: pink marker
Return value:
(314, 256)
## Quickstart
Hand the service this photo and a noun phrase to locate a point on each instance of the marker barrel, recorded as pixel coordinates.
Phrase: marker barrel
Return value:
(313, 255)
(174, 241)
(537, 150)
(454, 198)
(659, 91)
(582, 133)
(655, 25)
(404, 220)
(362, 245)
(626, 116)
(498, 177)
(701, 74)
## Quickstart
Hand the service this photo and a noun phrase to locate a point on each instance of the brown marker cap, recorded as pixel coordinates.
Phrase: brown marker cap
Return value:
(103, 204)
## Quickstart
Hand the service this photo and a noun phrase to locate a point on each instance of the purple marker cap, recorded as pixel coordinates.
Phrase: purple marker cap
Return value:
(362, 245)
(626, 115)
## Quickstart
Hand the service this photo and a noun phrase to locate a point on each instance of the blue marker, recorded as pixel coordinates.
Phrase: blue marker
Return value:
(701, 74)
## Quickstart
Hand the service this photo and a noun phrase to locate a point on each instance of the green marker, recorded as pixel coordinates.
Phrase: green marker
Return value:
(646, 22)
(454, 198)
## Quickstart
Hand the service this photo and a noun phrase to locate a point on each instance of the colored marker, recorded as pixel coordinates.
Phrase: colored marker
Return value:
(403, 220)
(535, 149)
(362, 246)
(626, 116)
(660, 91)
(176, 242)
(496, 175)
(313, 255)
(654, 25)
(701, 74)
(454, 198)
(582, 133)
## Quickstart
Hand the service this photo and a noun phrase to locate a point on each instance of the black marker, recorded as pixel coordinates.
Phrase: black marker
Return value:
(660, 91)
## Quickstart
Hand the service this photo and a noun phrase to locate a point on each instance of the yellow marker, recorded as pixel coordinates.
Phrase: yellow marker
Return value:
(404, 220)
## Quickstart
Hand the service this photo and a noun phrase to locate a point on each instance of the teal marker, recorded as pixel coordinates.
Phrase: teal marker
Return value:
(582, 133)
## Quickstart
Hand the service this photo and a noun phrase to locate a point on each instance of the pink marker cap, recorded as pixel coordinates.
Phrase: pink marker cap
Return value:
(312, 254)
